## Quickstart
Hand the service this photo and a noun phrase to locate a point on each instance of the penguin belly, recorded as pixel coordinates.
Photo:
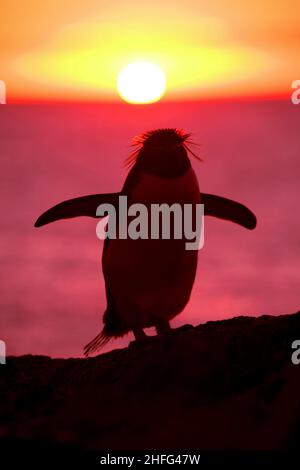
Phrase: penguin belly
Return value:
(151, 280)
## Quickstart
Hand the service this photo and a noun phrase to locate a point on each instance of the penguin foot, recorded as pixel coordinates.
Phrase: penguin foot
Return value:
(143, 341)
(139, 334)
(162, 327)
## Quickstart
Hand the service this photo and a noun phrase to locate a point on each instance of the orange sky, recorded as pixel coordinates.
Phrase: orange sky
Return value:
(73, 50)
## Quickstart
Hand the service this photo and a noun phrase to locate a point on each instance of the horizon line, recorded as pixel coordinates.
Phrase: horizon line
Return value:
(173, 101)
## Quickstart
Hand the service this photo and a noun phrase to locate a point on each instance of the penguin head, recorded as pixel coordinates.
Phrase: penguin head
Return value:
(162, 152)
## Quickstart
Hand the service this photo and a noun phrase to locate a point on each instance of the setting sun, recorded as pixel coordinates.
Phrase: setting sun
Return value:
(141, 82)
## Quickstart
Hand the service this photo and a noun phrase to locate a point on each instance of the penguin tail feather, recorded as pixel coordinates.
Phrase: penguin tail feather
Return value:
(97, 343)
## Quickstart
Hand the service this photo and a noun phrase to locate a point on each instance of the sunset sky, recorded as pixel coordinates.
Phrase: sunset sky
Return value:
(74, 50)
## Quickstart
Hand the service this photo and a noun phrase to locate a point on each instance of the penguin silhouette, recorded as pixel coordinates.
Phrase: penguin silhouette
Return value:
(149, 281)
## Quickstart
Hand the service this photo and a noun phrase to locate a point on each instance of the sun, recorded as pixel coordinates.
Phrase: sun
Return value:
(141, 82)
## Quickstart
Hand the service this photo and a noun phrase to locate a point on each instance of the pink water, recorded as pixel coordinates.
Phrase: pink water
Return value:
(52, 289)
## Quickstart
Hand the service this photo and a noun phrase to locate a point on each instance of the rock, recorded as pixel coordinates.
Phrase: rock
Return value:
(222, 385)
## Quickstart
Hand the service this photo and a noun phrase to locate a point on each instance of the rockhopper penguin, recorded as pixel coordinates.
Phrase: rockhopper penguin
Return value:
(149, 281)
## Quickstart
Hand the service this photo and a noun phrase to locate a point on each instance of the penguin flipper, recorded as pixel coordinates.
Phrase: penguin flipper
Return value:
(80, 206)
(227, 209)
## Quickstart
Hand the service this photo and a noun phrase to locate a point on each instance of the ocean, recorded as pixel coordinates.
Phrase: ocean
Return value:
(51, 288)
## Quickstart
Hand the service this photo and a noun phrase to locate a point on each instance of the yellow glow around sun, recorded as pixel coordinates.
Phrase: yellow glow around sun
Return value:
(141, 82)
(196, 56)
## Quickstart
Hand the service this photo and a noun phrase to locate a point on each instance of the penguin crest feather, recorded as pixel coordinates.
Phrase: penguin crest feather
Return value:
(160, 139)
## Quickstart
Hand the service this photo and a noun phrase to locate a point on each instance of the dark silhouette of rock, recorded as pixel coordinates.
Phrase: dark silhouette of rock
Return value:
(228, 384)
